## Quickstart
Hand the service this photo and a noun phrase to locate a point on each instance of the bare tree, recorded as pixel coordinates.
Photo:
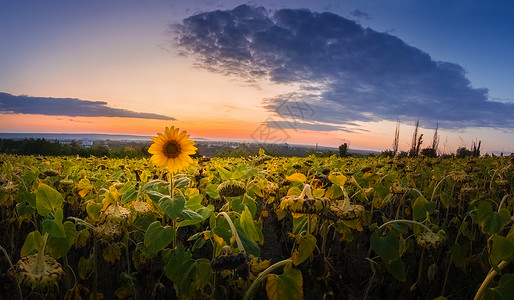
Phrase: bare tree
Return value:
(416, 142)
(435, 140)
(396, 137)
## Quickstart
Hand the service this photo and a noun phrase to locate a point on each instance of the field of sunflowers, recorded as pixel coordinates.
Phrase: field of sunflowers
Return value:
(254, 228)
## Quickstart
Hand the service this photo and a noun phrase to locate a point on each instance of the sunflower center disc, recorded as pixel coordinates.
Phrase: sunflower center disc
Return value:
(172, 150)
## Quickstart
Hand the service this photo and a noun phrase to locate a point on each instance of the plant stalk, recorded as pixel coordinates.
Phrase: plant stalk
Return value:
(262, 275)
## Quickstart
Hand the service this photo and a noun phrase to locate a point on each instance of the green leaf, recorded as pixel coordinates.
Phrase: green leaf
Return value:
(504, 290)
(58, 247)
(24, 197)
(182, 182)
(204, 213)
(250, 246)
(491, 222)
(82, 238)
(421, 207)
(397, 269)
(388, 247)
(458, 254)
(250, 203)
(306, 245)
(24, 210)
(502, 249)
(248, 226)
(195, 202)
(191, 215)
(288, 285)
(298, 177)
(212, 191)
(93, 210)
(33, 242)
(157, 237)
(172, 207)
(54, 227)
(179, 266)
(85, 266)
(203, 273)
(128, 192)
(300, 224)
(224, 173)
(47, 199)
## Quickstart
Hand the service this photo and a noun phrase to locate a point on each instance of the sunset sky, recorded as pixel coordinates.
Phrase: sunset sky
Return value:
(296, 71)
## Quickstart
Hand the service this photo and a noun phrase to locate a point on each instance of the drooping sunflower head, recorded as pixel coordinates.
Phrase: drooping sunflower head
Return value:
(172, 149)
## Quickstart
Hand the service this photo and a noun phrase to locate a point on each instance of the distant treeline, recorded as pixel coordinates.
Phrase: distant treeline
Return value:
(43, 146)
(119, 149)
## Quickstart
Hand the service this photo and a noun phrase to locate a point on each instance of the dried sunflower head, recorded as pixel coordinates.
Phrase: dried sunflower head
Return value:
(37, 271)
(348, 212)
(142, 207)
(51, 173)
(305, 203)
(430, 240)
(231, 188)
(117, 214)
(229, 261)
(108, 231)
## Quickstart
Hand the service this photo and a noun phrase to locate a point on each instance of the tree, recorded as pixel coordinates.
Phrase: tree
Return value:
(343, 150)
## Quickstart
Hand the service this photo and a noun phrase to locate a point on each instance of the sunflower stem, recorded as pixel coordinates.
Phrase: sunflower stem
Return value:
(234, 231)
(11, 265)
(404, 221)
(262, 275)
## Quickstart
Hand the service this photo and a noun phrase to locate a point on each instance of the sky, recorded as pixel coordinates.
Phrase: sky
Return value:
(321, 72)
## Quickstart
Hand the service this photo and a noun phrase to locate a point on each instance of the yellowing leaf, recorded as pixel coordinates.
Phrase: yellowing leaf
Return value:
(257, 266)
(294, 191)
(317, 193)
(299, 177)
(218, 239)
(337, 179)
(306, 245)
(84, 187)
(33, 242)
(112, 253)
(286, 286)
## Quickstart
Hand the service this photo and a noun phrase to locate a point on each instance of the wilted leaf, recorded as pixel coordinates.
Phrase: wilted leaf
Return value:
(112, 253)
(306, 244)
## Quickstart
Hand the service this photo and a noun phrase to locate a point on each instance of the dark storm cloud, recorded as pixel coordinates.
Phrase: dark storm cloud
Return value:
(364, 75)
(67, 107)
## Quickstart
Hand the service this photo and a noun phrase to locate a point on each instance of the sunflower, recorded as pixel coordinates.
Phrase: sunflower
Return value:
(172, 149)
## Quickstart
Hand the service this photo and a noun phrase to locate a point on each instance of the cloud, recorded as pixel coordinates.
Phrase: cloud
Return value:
(71, 107)
(283, 124)
(359, 74)
(360, 14)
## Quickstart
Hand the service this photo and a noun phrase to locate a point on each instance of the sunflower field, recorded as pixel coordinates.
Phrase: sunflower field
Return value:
(259, 227)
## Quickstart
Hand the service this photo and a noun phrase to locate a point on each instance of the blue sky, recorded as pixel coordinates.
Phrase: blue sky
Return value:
(358, 65)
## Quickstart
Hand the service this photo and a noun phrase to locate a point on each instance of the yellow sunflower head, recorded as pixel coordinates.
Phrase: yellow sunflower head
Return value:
(172, 149)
